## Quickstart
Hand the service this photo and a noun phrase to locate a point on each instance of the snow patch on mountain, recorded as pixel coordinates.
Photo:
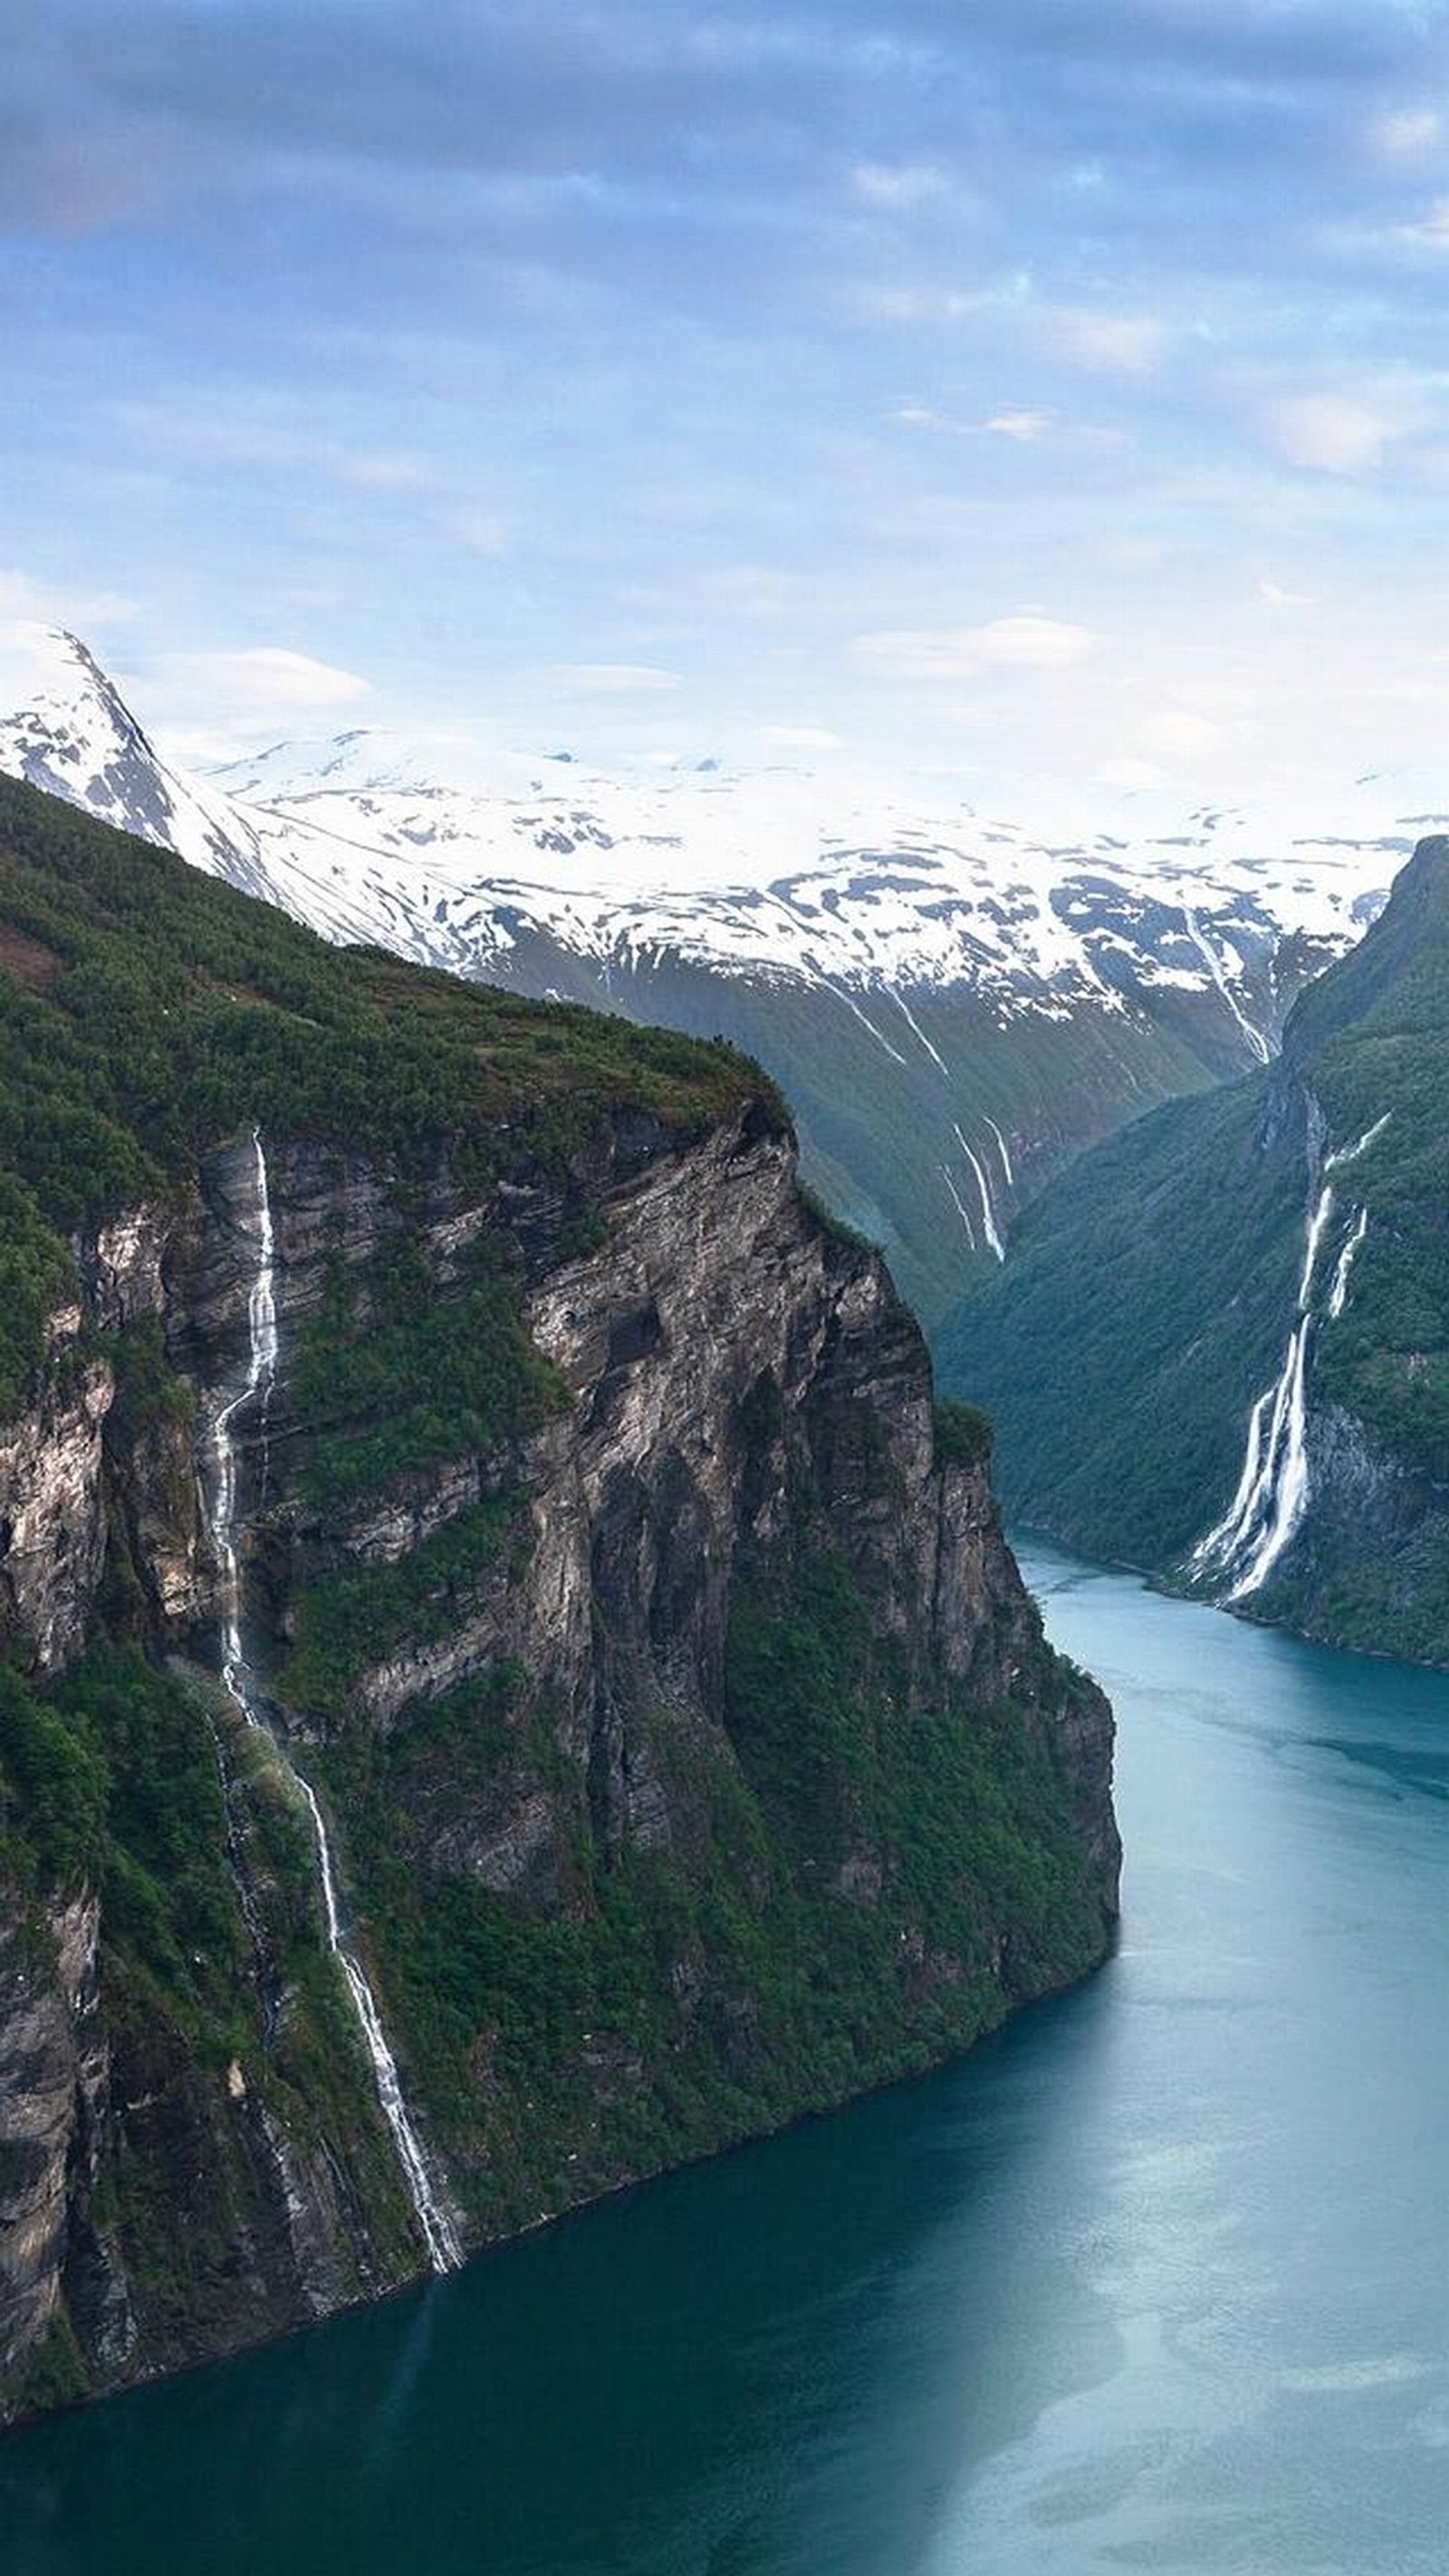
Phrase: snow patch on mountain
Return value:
(771, 875)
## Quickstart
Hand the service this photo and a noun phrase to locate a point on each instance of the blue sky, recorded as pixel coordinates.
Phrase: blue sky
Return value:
(1051, 395)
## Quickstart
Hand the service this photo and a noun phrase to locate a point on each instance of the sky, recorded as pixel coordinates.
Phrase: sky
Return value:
(1047, 398)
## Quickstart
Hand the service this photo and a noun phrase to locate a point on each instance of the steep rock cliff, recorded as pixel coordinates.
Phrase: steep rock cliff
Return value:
(691, 1753)
(1221, 1349)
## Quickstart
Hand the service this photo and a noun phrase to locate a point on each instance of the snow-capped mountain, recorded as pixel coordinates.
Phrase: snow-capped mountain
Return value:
(779, 874)
(77, 739)
(954, 1008)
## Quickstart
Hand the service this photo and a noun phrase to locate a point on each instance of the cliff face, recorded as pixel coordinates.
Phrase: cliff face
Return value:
(1221, 1348)
(54, 2071)
(640, 1735)
(739, 1398)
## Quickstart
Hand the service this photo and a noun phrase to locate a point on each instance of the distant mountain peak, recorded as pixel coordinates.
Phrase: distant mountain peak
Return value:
(922, 979)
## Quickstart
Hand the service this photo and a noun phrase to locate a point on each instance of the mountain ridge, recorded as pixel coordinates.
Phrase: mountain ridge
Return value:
(1224, 1352)
(954, 1008)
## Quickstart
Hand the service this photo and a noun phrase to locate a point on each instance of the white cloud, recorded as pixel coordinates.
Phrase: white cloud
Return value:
(801, 737)
(914, 303)
(1130, 773)
(939, 303)
(234, 437)
(376, 469)
(1110, 344)
(1275, 596)
(762, 591)
(906, 183)
(37, 603)
(1409, 133)
(208, 705)
(1026, 643)
(614, 679)
(1432, 228)
(1031, 643)
(481, 531)
(1175, 730)
(1024, 426)
(267, 675)
(1328, 433)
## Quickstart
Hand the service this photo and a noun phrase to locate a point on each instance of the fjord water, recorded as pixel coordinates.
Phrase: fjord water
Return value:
(1159, 2279)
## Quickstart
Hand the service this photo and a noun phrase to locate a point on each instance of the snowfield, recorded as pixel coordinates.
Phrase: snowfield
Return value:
(774, 874)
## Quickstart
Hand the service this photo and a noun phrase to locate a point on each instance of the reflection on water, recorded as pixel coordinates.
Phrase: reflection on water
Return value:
(1155, 2280)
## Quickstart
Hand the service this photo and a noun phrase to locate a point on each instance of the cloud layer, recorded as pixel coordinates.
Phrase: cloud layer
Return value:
(978, 388)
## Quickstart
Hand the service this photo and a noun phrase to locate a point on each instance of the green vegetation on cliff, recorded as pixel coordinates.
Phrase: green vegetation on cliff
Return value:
(362, 1613)
(147, 1012)
(858, 1867)
(428, 1380)
(622, 1674)
(877, 1109)
(1373, 1042)
(111, 1784)
(1150, 1294)
(1136, 1316)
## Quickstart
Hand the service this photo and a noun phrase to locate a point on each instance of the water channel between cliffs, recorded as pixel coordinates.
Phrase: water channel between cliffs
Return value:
(1157, 2280)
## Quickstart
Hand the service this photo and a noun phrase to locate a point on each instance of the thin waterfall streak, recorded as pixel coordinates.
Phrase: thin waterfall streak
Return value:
(444, 2251)
(1351, 1153)
(1261, 1498)
(960, 1205)
(913, 1024)
(1217, 971)
(988, 1213)
(241, 1881)
(1338, 1298)
(1001, 1149)
(1316, 1224)
(842, 996)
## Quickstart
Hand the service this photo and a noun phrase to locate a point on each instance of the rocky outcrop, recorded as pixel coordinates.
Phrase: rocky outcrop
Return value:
(725, 1351)
(121, 1266)
(735, 1396)
(1371, 1560)
(52, 1517)
(54, 2080)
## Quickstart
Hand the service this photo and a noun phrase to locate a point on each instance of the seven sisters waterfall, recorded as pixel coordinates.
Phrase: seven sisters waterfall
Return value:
(1272, 1496)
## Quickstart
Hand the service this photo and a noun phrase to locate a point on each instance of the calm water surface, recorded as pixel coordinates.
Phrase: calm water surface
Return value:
(1156, 2281)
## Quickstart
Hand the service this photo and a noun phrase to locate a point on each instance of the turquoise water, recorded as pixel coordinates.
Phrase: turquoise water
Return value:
(1157, 2280)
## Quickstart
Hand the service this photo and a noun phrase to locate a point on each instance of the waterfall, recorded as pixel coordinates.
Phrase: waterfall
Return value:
(959, 1205)
(988, 1213)
(842, 996)
(1226, 1534)
(1273, 1487)
(913, 1024)
(1339, 1297)
(220, 1485)
(1001, 1149)
(1216, 970)
(1316, 1225)
(1286, 1490)
(1351, 1153)
(261, 1370)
